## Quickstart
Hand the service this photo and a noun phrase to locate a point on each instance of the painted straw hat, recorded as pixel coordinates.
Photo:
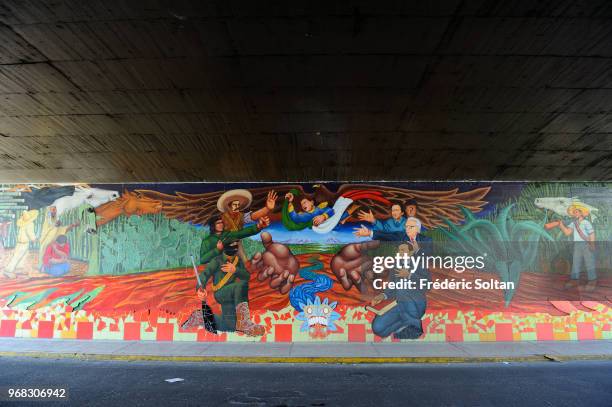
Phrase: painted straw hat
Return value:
(242, 195)
(581, 207)
(27, 217)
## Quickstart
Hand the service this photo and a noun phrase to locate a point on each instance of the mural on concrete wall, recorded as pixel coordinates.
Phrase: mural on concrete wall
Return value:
(298, 262)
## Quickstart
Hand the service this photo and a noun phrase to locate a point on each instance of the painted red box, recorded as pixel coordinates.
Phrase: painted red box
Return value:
(45, 329)
(8, 328)
(503, 332)
(356, 333)
(585, 331)
(544, 332)
(165, 332)
(85, 330)
(131, 331)
(283, 333)
(454, 332)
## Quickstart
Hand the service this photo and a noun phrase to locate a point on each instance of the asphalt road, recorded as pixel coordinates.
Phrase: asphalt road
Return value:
(217, 384)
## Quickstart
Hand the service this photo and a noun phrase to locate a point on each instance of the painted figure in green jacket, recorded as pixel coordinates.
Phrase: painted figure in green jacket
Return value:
(230, 277)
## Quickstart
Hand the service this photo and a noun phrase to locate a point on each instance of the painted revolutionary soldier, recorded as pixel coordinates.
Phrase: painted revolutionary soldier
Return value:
(233, 206)
(230, 278)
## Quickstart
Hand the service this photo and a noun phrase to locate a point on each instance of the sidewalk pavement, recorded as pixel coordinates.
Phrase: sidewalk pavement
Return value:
(328, 352)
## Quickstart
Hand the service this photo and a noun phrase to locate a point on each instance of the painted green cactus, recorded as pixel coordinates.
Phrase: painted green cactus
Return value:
(511, 247)
(145, 243)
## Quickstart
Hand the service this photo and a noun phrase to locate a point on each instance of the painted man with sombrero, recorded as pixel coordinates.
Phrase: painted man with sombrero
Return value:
(583, 236)
(233, 205)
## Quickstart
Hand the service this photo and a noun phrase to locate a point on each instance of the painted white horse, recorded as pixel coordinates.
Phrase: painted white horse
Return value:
(90, 196)
(559, 205)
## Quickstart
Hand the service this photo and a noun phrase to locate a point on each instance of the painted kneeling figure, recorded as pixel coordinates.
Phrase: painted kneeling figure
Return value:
(404, 319)
(55, 260)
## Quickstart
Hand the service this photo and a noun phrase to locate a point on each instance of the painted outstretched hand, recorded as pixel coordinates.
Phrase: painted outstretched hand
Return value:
(201, 294)
(351, 265)
(276, 264)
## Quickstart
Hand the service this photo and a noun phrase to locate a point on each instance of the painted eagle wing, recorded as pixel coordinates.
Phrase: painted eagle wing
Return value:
(433, 206)
(198, 208)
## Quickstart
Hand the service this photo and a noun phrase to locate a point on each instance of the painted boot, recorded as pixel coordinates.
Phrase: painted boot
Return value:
(244, 323)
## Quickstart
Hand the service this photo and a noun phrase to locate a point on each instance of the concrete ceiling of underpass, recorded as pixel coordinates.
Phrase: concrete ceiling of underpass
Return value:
(155, 90)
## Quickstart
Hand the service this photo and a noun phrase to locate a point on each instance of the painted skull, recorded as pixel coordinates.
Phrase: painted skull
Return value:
(318, 317)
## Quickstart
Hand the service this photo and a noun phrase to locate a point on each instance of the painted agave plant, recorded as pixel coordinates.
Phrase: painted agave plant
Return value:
(510, 246)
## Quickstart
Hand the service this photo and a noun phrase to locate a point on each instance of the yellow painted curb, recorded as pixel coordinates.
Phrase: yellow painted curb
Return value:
(268, 359)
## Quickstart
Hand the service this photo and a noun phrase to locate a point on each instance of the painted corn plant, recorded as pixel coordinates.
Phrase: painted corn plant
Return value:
(511, 246)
